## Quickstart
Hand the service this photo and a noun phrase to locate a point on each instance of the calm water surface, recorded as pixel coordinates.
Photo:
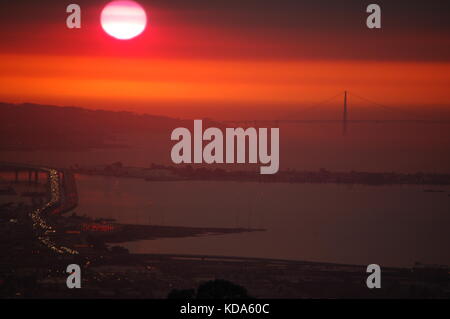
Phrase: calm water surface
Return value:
(388, 225)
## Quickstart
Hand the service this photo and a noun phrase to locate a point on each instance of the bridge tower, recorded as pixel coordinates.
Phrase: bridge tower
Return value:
(344, 119)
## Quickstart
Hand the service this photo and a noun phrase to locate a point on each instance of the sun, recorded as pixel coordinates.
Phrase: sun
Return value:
(123, 20)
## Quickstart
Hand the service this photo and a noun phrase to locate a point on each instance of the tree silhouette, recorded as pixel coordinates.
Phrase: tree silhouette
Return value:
(214, 289)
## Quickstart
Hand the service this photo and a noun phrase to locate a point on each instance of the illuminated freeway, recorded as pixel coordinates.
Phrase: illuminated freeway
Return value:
(62, 198)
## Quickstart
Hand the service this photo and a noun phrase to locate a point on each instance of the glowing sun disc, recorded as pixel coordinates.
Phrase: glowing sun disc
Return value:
(123, 19)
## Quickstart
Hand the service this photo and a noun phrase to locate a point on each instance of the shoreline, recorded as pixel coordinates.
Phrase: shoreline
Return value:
(162, 173)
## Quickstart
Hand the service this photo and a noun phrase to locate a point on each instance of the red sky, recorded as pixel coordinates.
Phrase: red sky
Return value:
(225, 58)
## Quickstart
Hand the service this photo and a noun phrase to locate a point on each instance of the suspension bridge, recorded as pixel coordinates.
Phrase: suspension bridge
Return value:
(349, 101)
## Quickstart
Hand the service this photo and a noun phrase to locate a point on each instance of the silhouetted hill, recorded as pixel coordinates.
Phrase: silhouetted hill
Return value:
(32, 127)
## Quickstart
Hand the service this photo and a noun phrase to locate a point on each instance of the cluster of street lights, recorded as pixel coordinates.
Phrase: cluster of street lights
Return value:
(40, 224)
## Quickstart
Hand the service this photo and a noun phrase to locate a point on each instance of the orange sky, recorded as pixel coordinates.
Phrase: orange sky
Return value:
(196, 61)
(145, 83)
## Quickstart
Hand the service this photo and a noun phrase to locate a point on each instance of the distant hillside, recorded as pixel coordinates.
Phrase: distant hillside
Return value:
(45, 127)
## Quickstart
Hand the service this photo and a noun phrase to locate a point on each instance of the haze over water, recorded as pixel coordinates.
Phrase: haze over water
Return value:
(376, 147)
